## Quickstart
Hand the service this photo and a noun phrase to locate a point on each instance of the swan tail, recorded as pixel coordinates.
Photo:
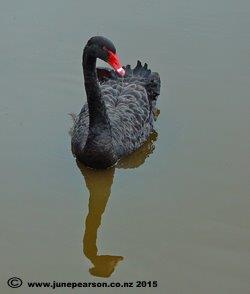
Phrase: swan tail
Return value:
(139, 70)
(150, 79)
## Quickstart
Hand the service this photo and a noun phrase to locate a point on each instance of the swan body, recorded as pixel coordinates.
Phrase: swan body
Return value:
(120, 110)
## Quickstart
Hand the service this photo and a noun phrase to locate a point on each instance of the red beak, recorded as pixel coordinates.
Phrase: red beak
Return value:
(113, 60)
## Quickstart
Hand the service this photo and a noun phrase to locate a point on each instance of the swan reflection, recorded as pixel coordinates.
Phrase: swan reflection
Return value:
(99, 184)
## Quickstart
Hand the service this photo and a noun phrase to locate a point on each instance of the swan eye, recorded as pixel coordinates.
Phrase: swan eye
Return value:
(105, 48)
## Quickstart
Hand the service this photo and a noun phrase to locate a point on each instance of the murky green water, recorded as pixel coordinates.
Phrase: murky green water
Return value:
(182, 216)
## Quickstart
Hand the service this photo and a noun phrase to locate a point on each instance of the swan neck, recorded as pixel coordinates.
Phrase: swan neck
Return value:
(98, 151)
(96, 105)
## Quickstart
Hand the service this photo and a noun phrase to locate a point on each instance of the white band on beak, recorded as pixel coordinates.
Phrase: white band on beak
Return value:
(121, 71)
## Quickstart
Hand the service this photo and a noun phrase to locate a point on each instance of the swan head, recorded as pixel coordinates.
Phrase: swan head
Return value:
(103, 48)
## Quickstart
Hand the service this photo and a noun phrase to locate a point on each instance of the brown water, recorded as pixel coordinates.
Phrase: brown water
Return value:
(178, 210)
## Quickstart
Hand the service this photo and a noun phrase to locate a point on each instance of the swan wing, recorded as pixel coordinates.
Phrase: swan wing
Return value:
(130, 115)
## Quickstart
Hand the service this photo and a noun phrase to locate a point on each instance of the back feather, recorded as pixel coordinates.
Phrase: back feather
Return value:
(139, 75)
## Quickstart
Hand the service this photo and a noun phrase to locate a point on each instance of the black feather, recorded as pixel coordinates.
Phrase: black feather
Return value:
(130, 106)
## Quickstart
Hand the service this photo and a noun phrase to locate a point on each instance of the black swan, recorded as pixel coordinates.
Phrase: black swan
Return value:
(120, 110)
